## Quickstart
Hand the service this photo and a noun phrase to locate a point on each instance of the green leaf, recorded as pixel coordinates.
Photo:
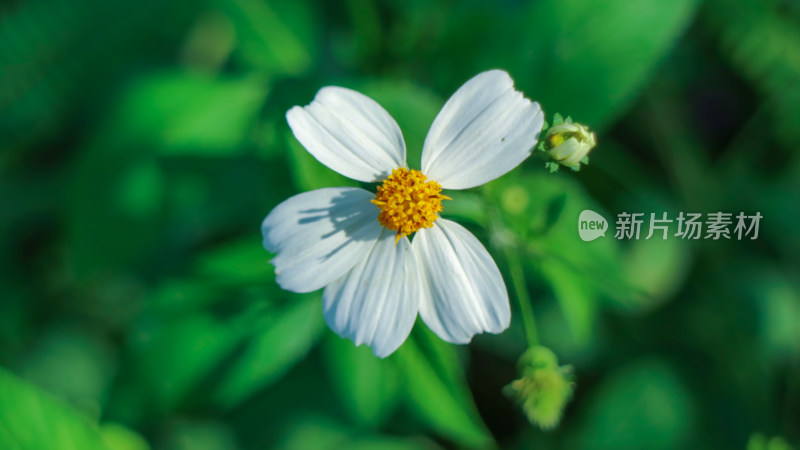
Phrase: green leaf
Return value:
(445, 360)
(33, 420)
(199, 435)
(598, 54)
(129, 188)
(644, 405)
(312, 431)
(656, 268)
(172, 357)
(778, 307)
(367, 385)
(277, 36)
(240, 262)
(141, 189)
(577, 298)
(763, 42)
(281, 340)
(192, 113)
(388, 443)
(72, 364)
(118, 437)
(177, 295)
(72, 64)
(759, 442)
(119, 226)
(466, 206)
(414, 109)
(431, 396)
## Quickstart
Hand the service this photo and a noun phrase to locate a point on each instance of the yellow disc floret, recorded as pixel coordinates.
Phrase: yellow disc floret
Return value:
(408, 201)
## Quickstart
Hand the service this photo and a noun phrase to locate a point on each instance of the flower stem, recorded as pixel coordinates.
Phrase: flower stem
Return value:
(511, 254)
(521, 292)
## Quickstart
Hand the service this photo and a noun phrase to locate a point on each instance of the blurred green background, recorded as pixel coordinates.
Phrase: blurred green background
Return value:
(142, 143)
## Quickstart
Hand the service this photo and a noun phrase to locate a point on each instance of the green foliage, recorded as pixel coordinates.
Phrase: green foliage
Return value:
(759, 442)
(33, 420)
(414, 109)
(275, 346)
(641, 406)
(541, 210)
(764, 44)
(368, 387)
(436, 391)
(192, 114)
(277, 38)
(117, 437)
(599, 53)
(320, 433)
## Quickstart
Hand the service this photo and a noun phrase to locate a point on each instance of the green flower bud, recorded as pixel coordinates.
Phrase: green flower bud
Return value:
(568, 143)
(544, 388)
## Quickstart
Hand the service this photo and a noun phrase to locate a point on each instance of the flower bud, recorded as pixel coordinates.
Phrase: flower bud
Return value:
(568, 143)
(544, 388)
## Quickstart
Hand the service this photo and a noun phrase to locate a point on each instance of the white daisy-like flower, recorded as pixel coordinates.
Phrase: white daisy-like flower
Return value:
(355, 243)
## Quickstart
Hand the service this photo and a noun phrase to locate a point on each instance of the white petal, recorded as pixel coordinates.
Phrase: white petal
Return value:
(377, 302)
(350, 133)
(318, 236)
(484, 130)
(467, 293)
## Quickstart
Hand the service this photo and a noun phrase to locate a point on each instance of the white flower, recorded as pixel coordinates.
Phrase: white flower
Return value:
(353, 242)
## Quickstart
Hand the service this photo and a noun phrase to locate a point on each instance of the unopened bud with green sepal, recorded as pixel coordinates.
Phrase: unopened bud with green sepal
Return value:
(567, 143)
(544, 388)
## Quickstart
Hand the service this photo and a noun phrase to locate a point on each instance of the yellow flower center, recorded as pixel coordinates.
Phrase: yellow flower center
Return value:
(408, 202)
(556, 140)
